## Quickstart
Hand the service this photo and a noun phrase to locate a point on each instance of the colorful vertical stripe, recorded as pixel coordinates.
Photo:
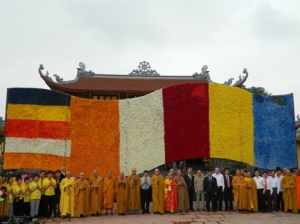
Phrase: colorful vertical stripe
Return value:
(47, 129)
(186, 122)
(231, 124)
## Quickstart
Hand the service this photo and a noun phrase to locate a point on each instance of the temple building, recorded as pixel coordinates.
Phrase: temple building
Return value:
(139, 82)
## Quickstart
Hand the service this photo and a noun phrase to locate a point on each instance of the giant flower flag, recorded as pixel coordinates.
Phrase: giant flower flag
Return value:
(47, 129)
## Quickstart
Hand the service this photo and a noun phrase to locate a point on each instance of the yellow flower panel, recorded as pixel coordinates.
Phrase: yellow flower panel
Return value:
(231, 124)
(38, 112)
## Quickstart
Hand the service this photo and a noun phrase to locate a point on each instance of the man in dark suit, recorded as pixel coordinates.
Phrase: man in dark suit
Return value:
(189, 179)
(210, 189)
(228, 196)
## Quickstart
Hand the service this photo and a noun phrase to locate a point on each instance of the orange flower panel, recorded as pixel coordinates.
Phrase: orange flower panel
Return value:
(94, 136)
(33, 160)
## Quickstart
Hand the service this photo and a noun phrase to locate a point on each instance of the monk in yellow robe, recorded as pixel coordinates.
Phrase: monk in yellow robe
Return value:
(158, 192)
(82, 193)
(4, 203)
(297, 181)
(183, 196)
(289, 192)
(134, 184)
(122, 194)
(67, 196)
(251, 193)
(96, 193)
(239, 191)
(109, 193)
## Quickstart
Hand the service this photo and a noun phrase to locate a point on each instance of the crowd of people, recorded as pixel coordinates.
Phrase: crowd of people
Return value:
(60, 195)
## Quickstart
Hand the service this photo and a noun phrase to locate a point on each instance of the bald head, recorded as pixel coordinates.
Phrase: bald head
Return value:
(122, 175)
(179, 173)
(109, 174)
(133, 171)
(156, 171)
(81, 176)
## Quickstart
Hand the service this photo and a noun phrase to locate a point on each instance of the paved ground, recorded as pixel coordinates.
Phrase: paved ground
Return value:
(189, 218)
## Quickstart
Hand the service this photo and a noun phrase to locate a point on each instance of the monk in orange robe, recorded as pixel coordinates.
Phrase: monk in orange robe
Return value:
(4, 203)
(251, 193)
(239, 191)
(171, 194)
(96, 193)
(289, 192)
(109, 193)
(158, 192)
(134, 184)
(297, 181)
(122, 194)
(82, 191)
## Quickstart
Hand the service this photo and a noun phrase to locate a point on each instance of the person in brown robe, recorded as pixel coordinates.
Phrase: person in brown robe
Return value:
(109, 193)
(239, 191)
(3, 204)
(289, 192)
(134, 192)
(158, 192)
(122, 194)
(183, 196)
(81, 204)
(96, 193)
(251, 193)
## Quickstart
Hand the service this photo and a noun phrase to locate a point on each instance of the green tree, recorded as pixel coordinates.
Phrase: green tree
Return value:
(257, 90)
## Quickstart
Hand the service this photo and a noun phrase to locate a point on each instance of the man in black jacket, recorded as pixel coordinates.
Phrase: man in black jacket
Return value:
(228, 196)
(210, 189)
(189, 179)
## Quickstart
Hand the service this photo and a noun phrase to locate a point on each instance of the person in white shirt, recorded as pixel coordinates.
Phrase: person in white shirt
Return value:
(274, 183)
(280, 203)
(267, 192)
(221, 186)
(260, 187)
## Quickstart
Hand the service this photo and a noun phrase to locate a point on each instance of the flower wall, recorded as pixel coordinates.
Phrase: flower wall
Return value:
(46, 129)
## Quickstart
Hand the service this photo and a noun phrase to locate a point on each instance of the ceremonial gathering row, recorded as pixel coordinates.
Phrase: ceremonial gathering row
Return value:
(61, 196)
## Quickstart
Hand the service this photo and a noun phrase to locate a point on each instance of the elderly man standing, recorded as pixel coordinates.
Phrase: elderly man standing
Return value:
(145, 187)
(220, 182)
(96, 193)
(183, 196)
(158, 192)
(198, 181)
(189, 179)
(134, 192)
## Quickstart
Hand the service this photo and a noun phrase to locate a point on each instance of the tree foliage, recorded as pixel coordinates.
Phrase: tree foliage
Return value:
(257, 90)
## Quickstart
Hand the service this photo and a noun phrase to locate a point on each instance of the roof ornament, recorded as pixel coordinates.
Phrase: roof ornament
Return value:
(82, 72)
(41, 68)
(242, 78)
(228, 82)
(203, 75)
(144, 69)
(58, 79)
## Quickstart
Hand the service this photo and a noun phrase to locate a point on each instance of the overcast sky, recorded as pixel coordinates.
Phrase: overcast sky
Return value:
(176, 37)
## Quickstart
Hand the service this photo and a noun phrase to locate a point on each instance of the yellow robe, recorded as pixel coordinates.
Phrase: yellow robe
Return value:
(251, 194)
(96, 194)
(289, 194)
(134, 192)
(67, 197)
(239, 192)
(122, 196)
(109, 192)
(297, 181)
(158, 193)
(81, 204)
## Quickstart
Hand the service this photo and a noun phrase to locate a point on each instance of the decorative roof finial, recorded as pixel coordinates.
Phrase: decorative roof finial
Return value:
(82, 71)
(41, 68)
(144, 69)
(203, 75)
(58, 79)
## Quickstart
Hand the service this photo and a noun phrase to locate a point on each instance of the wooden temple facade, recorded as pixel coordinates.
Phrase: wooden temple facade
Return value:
(139, 82)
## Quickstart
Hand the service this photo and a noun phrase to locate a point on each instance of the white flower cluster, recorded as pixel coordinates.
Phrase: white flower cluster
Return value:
(142, 132)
